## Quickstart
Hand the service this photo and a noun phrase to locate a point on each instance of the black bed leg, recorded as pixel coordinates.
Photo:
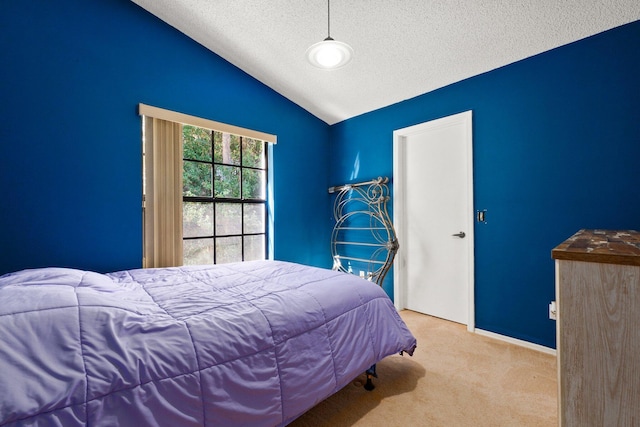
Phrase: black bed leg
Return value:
(371, 372)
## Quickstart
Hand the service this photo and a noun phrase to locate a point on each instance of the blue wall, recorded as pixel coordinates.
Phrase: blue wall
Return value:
(556, 148)
(73, 73)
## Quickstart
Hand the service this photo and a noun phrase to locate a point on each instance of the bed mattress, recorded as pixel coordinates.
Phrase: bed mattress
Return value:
(253, 343)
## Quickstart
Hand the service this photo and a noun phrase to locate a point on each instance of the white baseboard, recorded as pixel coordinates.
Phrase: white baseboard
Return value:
(516, 341)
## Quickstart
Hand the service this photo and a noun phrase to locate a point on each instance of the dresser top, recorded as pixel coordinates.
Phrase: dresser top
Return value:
(601, 246)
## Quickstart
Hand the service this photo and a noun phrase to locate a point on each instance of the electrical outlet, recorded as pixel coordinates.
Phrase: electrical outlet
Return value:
(553, 312)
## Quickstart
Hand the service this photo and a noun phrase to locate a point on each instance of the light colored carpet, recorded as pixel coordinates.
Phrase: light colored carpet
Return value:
(454, 379)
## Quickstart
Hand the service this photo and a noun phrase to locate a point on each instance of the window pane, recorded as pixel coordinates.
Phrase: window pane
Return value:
(228, 249)
(197, 219)
(253, 153)
(218, 166)
(196, 143)
(198, 251)
(254, 248)
(196, 179)
(227, 182)
(226, 148)
(253, 184)
(254, 218)
(228, 218)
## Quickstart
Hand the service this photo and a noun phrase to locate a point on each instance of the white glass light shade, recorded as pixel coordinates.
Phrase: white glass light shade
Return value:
(329, 54)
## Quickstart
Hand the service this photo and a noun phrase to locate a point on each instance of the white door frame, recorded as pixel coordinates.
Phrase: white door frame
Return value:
(399, 141)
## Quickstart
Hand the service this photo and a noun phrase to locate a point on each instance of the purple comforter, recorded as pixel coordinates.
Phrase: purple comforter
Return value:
(253, 344)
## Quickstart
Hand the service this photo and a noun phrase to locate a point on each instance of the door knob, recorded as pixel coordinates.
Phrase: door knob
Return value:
(460, 234)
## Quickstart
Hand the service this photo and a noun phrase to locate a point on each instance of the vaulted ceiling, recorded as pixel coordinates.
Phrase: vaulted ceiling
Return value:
(403, 48)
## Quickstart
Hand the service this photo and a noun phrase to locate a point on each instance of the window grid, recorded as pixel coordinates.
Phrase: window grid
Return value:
(240, 200)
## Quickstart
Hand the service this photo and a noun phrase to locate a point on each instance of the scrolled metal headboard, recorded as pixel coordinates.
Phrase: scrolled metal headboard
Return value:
(363, 240)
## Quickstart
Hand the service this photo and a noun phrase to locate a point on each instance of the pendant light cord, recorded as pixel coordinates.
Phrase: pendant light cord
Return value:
(328, 19)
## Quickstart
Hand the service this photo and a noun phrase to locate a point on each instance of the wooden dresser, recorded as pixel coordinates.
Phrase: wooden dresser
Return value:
(598, 328)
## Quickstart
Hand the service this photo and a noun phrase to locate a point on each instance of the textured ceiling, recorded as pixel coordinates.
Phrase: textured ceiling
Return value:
(403, 48)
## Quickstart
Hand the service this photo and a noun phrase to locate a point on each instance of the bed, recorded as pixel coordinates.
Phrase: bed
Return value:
(252, 344)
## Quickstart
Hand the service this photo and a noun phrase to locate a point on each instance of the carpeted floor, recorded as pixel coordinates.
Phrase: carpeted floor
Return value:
(454, 379)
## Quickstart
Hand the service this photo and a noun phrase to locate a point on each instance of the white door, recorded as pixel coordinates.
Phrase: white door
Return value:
(433, 216)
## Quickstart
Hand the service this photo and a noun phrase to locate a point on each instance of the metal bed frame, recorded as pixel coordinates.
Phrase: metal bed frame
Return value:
(363, 235)
(363, 240)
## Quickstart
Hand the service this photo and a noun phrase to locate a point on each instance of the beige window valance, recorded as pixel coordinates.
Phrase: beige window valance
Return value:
(173, 116)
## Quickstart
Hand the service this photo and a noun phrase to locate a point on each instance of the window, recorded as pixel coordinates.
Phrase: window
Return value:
(224, 197)
(204, 191)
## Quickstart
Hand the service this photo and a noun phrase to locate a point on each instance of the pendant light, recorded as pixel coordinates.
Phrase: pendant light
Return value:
(329, 54)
